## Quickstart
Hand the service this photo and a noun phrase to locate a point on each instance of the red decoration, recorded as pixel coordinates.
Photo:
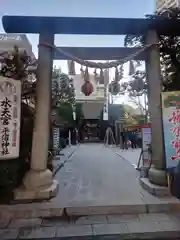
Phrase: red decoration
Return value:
(87, 88)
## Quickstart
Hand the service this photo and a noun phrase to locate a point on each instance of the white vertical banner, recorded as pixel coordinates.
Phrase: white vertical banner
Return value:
(74, 106)
(74, 115)
(105, 108)
(146, 142)
(106, 95)
(10, 117)
(56, 137)
(69, 137)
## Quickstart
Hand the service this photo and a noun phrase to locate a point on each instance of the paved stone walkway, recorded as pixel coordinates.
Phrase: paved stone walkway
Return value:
(95, 181)
(97, 176)
(130, 155)
(60, 160)
(142, 226)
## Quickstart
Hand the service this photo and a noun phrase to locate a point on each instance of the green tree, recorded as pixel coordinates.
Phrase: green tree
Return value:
(62, 89)
(169, 59)
(136, 90)
(65, 112)
(79, 114)
(133, 115)
(63, 96)
(169, 52)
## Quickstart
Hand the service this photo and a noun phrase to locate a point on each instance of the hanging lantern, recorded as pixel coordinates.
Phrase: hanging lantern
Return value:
(87, 88)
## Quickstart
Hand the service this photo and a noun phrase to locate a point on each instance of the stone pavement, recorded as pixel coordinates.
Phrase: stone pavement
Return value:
(130, 155)
(96, 176)
(65, 155)
(94, 181)
(141, 226)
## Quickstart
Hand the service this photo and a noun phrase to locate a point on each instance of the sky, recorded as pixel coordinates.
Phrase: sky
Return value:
(78, 8)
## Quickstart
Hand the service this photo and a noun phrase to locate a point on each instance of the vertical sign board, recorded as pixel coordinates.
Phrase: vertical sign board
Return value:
(146, 141)
(56, 136)
(74, 106)
(10, 117)
(105, 107)
(171, 126)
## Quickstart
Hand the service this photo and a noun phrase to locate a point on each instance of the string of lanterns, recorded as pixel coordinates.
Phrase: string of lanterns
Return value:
(87, 88)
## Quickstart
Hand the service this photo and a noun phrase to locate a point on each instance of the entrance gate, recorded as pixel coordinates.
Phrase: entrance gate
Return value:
(38, 182)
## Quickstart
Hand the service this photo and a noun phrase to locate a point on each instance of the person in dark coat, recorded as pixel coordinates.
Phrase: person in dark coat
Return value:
(133, 138)
(124, 139)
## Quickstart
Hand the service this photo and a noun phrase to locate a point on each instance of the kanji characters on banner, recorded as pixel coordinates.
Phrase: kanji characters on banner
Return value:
(10, 114)
(171, 125)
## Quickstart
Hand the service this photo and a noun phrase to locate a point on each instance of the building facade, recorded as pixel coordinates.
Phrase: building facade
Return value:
(163, 4)
(8, 41)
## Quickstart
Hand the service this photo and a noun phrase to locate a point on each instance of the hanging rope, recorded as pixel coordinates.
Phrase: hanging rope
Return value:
(90, 64)
(99, 65)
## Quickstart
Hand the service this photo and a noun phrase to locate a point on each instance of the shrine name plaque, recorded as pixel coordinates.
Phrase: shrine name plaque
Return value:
(10, 116)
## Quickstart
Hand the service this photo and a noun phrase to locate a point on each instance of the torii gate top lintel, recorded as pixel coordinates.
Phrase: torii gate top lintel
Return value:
(86, 25)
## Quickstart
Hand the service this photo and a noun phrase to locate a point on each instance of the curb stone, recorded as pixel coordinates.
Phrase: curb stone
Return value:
(60, 165)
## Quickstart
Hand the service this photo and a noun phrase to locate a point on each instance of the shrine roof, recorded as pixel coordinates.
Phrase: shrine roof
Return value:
(99, 53)
(85, 25)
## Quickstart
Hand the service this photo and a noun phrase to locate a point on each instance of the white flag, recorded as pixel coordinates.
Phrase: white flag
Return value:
(105, 108)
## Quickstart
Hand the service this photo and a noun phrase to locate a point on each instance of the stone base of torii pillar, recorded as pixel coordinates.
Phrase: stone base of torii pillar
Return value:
(45, 187)
(38, 183)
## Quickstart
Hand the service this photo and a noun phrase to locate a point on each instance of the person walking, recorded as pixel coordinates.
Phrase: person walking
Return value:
(77, 135)
(124, 139)
(139, 138)
(132, 138)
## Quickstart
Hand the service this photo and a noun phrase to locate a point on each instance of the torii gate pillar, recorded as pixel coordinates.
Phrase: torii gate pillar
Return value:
(38, 182)
(157, 173)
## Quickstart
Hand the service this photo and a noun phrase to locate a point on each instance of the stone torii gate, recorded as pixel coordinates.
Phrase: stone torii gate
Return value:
(38, 183)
